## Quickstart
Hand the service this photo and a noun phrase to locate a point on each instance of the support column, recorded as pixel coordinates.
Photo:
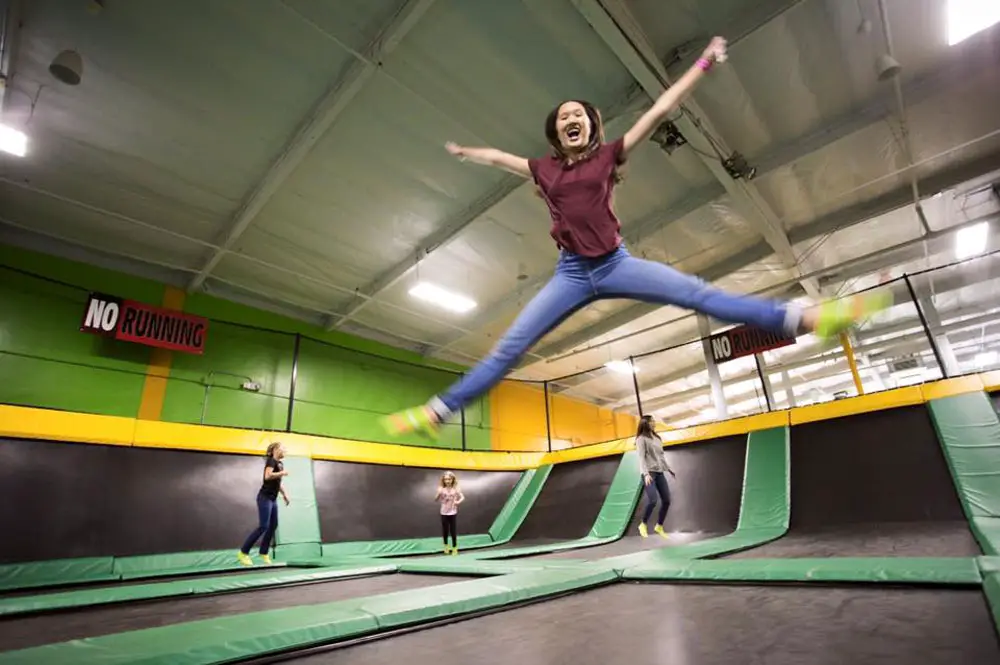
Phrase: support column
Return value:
(937, 330)
(845, 342)
(786, 382)
(714, 378)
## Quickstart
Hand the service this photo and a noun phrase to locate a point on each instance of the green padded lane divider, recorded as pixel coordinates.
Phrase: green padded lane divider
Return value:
(391, 548)
(121, 594)
(518, 504)
(298, 522)
(611, 522)
(514, 510)
(485, 567)
(969, 432)
(952, 570)
(242, 636)
(765, 508)
(991, 587)
(37, 574)
(180, 563)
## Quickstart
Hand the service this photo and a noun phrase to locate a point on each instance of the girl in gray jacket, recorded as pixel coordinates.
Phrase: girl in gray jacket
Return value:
(652, 465)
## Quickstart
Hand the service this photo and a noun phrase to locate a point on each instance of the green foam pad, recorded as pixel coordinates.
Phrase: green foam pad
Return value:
(409, 547)
(520, 501)
(969, 432)
(298, 522)
(232, 638)
(611, 522)
(951, 570)
(110, 595)
(179, 563)
(38, 574)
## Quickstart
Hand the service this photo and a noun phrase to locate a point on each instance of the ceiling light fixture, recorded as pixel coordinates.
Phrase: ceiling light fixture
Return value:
(967, 17)
(443, 298)
(621, 367)
(971, 240)
(13, 141)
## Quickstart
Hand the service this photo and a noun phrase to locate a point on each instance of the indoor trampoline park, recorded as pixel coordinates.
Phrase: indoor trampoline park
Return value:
(568, 332)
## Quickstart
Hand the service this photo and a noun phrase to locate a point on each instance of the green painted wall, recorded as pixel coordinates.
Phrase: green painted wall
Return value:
(345, 383)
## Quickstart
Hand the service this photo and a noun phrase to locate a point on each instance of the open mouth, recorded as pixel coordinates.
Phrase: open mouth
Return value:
(573, 131)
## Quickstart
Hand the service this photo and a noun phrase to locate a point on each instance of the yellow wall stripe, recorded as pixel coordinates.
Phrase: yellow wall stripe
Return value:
(33, 423)
(29, 423)
(154, 389)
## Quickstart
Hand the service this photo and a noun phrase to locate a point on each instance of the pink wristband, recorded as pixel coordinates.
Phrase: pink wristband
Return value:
(704, 64)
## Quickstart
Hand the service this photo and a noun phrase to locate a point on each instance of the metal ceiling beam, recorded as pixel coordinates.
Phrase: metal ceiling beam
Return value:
(904, 252)
(322, 116)
(963, 62)
(613, 22)
(452, 227)
(836, 221)
(10, 14)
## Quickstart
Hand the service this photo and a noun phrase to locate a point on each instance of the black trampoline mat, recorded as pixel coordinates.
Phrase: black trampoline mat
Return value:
(645, 624)
(35, 630)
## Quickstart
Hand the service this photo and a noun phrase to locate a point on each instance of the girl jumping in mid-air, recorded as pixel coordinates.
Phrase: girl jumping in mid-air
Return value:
(267, 506)
(652, 465)
(577, 182)
(449, 495)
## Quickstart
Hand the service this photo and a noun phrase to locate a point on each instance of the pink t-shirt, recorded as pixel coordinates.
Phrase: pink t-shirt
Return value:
(579, 200)
(448, 497)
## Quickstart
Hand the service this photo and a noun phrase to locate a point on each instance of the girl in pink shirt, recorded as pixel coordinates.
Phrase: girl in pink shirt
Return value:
(449, 495)
(577, 181)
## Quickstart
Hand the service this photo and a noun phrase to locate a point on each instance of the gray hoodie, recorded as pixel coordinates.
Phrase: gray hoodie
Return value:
(649, 449)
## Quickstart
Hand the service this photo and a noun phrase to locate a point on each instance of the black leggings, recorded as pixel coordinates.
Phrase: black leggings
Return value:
(449, 524)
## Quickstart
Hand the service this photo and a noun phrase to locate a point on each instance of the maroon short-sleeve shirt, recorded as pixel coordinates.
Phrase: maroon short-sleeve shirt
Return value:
(579, 199)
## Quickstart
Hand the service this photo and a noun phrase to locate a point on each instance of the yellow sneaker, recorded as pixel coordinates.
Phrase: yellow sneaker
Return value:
(836, 316)
(266, 558)
(244, 559)
(447, 550)
(642, 530)
(454, 551)
(659, 529)
(418, 419)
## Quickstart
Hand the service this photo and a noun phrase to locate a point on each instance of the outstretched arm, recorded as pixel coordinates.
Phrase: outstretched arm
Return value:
(491, 157)
(673, 96)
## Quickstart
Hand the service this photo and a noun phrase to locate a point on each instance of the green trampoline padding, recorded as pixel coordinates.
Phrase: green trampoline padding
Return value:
(298, 522)
(518, 504)
(179, 563)
(969, 432)
(514, 510)
(485, 567)
(952, 570)
(391, 548)
(51, 573)
(764, 511)
(991, 587)
(241, 636)
(109, 595)
(611, 521)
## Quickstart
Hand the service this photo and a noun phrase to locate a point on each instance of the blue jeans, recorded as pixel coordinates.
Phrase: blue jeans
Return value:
(579, 281)
(267, 514)
(658, 486)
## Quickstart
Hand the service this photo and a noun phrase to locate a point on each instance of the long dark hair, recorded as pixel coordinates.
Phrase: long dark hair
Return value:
(596, 133)
(646, 427)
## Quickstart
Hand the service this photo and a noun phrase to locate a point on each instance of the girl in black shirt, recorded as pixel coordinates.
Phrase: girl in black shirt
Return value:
(267, 505)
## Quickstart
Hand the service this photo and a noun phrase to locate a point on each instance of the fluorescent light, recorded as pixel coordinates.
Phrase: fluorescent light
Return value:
(621, 367)
(443, 298)
(986, 358)
(13, 141)
(709, 413)
(971, 240)
(967, 17)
